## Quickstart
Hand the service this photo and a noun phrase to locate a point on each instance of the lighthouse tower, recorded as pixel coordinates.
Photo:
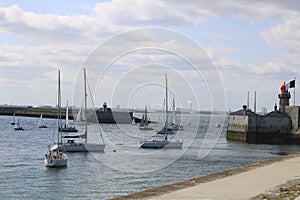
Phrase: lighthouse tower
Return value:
(284, 100)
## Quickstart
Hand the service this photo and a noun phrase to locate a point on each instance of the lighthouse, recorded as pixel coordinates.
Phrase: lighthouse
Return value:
(284, 98)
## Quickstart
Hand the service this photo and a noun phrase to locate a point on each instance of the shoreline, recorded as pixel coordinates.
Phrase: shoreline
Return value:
(163, 190)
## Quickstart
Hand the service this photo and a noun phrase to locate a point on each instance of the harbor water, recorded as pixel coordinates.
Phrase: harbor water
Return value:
(123, 167)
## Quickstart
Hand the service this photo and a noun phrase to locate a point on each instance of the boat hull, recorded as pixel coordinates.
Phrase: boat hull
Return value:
(166, 132)
(56, 163)
(161, 144)
(83, 147)
(56, 159)
(153, 144)
(145, 128)
(69, 130)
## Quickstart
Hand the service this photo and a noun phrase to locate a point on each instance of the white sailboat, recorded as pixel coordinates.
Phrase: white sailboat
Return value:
(18, 126)
(133, 121)
(144, 125)
(13, 120)
(80, 116)
(67, 127)
(79, 143)
(56, 156)
(41, 123)
(161, 139)
(166, 129)
(174, 126)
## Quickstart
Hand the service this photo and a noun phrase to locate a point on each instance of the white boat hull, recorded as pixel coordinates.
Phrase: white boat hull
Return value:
(56, 163)
(145, 128)
(83, 147)
(54, 159)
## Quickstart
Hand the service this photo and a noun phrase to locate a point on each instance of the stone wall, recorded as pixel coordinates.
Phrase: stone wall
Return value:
(270, 129)
(294, 113)
(273, 124)
(238, 123)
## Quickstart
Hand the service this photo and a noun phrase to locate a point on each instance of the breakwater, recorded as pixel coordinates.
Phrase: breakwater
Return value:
(273, 128)
(52, 112)
(48, 112)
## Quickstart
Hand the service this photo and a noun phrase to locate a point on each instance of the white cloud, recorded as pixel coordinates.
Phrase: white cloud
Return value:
(64, 41)
(286, 36)
(147, 13)
(273, 69)
(51, 28)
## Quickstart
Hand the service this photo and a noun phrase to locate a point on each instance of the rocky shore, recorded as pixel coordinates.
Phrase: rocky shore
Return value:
(287, 191)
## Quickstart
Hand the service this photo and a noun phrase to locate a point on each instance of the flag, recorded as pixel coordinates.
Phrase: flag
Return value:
(290, 84)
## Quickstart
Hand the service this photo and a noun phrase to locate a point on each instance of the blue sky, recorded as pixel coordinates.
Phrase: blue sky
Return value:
(253, 47)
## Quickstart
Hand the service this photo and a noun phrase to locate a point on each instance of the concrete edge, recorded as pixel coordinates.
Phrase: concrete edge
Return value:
(195, 181)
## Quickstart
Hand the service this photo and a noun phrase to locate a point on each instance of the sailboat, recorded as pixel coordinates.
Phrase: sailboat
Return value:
(144, 125)
(80, 117)
(174, 126)
(56, 155)
(67, 127)
(160, 140)
(18, 127)
(41, 123)
(133, 121)
(166, 129)
(78, 143)
(13, 122)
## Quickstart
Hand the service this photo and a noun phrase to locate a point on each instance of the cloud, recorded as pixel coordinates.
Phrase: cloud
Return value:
(64, 41)
(285, 35)
(51, 28)
(274, 69)
(143, 13)
(108, 18)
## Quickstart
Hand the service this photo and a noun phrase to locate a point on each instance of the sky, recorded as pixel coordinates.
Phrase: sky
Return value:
(213, 52)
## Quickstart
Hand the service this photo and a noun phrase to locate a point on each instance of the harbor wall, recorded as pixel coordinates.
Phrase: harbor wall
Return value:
(34, 111)
(237, 127)
(294, 113)
(52, 112)
(273, 128)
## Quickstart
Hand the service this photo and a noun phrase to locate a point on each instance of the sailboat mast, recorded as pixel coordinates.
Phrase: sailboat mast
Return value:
(166, 100)
(174, 112)
(59, 110)
(67, 115)
(146, 117)
(85, 102)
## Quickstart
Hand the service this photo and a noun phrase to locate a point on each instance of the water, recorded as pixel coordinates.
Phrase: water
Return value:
(99, 175)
